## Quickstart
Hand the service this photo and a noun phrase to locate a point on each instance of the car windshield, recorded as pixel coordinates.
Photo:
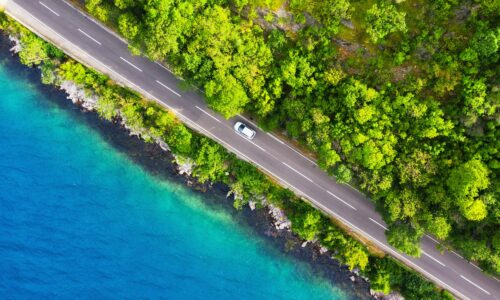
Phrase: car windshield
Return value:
(242, 126)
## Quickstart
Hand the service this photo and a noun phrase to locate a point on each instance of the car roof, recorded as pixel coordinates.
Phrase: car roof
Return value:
(247, 131)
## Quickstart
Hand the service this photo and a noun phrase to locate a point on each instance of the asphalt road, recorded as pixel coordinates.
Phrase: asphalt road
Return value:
(90, 43)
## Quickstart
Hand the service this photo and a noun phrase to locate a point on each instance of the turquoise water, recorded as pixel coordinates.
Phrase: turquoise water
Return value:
(78, 219)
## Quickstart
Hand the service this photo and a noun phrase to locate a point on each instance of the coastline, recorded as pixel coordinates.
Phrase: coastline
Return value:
(159, 163)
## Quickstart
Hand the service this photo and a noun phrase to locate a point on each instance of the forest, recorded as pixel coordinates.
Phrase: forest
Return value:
(399, 98)
(212, 163)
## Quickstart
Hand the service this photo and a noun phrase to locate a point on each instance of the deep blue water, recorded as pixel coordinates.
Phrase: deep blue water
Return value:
(78, 219)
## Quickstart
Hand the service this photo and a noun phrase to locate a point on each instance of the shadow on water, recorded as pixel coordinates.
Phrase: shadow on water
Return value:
(159, 164)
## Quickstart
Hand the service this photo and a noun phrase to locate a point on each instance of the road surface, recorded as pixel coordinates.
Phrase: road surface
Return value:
(90, 43)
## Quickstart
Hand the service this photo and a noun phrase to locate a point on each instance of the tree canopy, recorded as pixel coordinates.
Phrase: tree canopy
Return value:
(401, 99)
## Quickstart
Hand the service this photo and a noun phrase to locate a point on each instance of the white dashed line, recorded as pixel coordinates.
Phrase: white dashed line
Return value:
(378, 223)
(277, 139)
(130, 64)
(283, 143)
(429, 256)
(466, 279)
(297, 172)
(207, 114)
(256, 145)
(87, 35)
(89, 18)
(338, 198)
(163, 85)
(246, 139)
(43, 4)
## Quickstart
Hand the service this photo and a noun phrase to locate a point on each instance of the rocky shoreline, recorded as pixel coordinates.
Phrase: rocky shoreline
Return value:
(268, 223)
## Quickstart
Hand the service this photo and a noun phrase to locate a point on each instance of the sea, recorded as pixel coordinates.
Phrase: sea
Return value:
(81, 219)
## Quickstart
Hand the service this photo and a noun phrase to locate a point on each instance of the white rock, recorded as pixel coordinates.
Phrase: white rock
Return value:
(163, 144)
(323, 250)
(235, 192)
(252, 204)
(304, 244)
(185, 165)
(283, 225)
(77, 94)
(263, 200)
(393, 296)
(281, 221)
(133, 131)
(352, 278)
(18, 47)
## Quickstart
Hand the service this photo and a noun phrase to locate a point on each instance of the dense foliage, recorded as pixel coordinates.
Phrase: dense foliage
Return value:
(404, 99)
(214, 163)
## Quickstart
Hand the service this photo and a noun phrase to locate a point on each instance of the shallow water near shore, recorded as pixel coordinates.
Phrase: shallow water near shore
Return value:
(80, 219)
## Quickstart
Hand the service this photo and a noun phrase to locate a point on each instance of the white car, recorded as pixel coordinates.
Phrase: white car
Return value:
(244, 130)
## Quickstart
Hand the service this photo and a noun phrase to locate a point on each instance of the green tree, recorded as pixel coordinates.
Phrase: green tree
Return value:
(440, 227)
(249, 182)
(405, 238)
(400, 114)
(465, 182)
(474, 96)
(468, 179)
(124, 4)
(343, 174)
(474, 250)
(226, 95)
(210, 161)
(34, 50)
(328, 12)
(107, 106)
(384, 19)
(354, 255)
(179, 139)
(418, 169)
(365, 114)
(328, 157)
(99, 9)
(307, 224)
(402, 205)
(473, 209)
(486, 43)
(370, 155)
(381, 282)
(128, 25)
(133, 117)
